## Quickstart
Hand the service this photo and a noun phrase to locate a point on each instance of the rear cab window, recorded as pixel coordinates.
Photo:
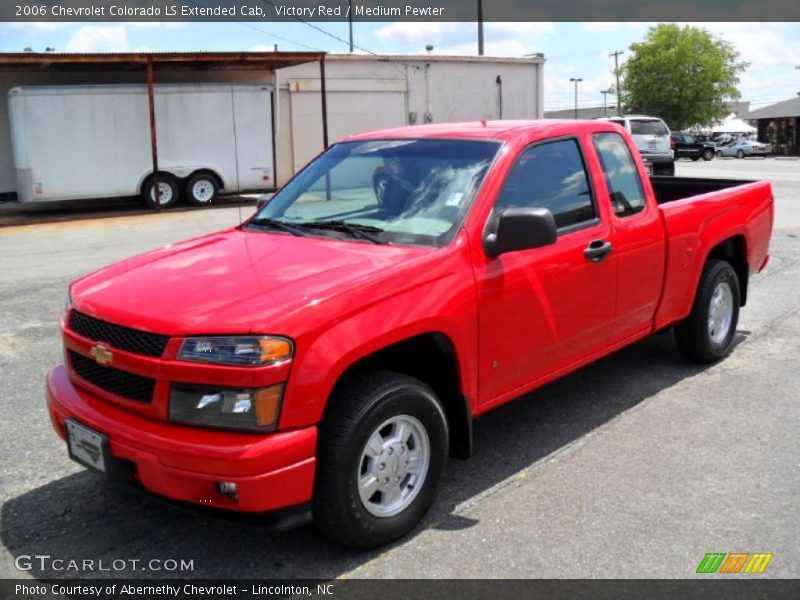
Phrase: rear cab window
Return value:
(622, 178)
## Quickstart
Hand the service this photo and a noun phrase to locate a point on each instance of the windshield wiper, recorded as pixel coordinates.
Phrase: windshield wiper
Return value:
(279, 225)
(356, 230)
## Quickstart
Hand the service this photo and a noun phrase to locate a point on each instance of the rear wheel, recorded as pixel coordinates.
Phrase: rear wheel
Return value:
(168, 191)
(201, 189)
(382, 450)
(706, 335)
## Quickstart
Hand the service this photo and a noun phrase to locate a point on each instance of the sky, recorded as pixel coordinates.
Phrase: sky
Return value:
(571, 49)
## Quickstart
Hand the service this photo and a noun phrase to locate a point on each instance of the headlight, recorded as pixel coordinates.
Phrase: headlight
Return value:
(248, 350)
(239, 409)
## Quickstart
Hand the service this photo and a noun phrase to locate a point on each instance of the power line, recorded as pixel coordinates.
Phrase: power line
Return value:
(264, 31)
(275, 35)
(325, 32)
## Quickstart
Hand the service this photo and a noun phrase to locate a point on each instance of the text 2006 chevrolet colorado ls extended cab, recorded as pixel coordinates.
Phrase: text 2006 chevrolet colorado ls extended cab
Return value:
(329, 353)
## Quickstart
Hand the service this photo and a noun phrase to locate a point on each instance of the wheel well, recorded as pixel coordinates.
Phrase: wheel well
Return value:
(734, 251)
(213, 174)
(165, 174)
(430, 358)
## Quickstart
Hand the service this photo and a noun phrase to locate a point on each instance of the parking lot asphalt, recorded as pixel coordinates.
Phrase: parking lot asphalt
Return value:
(635, 466)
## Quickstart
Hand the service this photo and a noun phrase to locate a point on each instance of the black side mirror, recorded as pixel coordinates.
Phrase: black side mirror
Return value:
(519, 229)
(263, 199)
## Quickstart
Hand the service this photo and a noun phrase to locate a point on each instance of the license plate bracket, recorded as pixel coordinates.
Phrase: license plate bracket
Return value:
(88, 447)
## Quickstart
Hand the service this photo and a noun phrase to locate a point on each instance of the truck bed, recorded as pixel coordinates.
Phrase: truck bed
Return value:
(670, 189)
(700, 214)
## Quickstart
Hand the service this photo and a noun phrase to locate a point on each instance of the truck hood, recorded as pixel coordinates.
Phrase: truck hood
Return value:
(235, 281)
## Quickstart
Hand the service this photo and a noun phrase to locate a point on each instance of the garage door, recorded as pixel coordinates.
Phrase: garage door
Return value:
(353, 105)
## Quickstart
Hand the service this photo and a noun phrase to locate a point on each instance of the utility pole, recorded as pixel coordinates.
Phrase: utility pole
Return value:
(480, 27)
(616, 55)
(605, 100)
(350, 22)
(576, 81)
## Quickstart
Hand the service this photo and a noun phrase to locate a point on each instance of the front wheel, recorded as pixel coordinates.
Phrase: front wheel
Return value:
(706, 335)
(740, 154)
(708, 154)
(382, 450)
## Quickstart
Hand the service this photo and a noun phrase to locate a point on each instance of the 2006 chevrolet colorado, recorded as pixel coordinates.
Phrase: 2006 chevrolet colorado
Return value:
(327, 354)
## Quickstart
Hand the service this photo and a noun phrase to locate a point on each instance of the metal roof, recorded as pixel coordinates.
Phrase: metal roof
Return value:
(57, 61)
(592, 112)
(787, 108)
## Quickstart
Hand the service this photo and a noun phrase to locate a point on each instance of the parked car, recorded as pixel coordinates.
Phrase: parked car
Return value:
(686, 145)
(652, 138)
(324, 357)
(744, 148)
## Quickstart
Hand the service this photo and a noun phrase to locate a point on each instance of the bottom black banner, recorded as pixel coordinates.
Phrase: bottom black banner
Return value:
(400, 589)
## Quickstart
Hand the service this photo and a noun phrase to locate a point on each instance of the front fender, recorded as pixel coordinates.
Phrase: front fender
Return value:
(444, 305)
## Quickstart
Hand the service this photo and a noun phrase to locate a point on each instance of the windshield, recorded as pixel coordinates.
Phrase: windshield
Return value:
(648, 127)
(410, 191)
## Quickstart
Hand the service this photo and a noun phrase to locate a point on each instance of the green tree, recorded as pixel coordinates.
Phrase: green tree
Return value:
(684, 75)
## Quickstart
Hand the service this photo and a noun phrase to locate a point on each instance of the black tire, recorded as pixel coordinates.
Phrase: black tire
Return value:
(148, 198)
(708, 154)
(201, 189)
(358, 408)
(693, 334)
(719, 153)
(740, 154)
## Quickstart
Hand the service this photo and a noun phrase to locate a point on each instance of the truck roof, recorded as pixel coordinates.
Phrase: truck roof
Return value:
(470, 129)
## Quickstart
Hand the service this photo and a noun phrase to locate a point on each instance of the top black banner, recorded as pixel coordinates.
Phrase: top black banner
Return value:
(398, 10)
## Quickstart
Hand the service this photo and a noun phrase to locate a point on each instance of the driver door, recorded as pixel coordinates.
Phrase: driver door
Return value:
(544, 309)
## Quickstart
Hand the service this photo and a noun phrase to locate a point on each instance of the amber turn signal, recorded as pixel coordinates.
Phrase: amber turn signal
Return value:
(275, 349)
(268, 404)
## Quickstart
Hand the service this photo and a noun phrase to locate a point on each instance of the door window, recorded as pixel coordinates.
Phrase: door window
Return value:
(622, 178)
(551, 175)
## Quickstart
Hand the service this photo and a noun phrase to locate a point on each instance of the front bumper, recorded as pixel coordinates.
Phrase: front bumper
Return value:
(271, 471)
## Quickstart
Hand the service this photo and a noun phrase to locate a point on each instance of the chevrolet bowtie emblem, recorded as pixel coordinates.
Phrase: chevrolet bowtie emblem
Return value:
(101, 354)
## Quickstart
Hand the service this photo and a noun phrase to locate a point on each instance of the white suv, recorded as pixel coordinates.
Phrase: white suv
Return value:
(652, 137)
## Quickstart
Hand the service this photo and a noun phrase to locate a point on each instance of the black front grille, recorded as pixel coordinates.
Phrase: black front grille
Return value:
(124, 338)
(128, 385)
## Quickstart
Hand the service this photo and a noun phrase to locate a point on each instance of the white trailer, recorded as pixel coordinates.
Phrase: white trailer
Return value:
(83, 142)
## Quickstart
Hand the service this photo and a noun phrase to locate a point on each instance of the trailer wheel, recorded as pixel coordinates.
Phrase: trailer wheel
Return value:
(706, 335)
(382, 449)
(201, 189)
(168, 191)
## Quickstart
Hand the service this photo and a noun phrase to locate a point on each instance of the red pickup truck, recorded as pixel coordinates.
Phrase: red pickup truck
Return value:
(326, 356)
